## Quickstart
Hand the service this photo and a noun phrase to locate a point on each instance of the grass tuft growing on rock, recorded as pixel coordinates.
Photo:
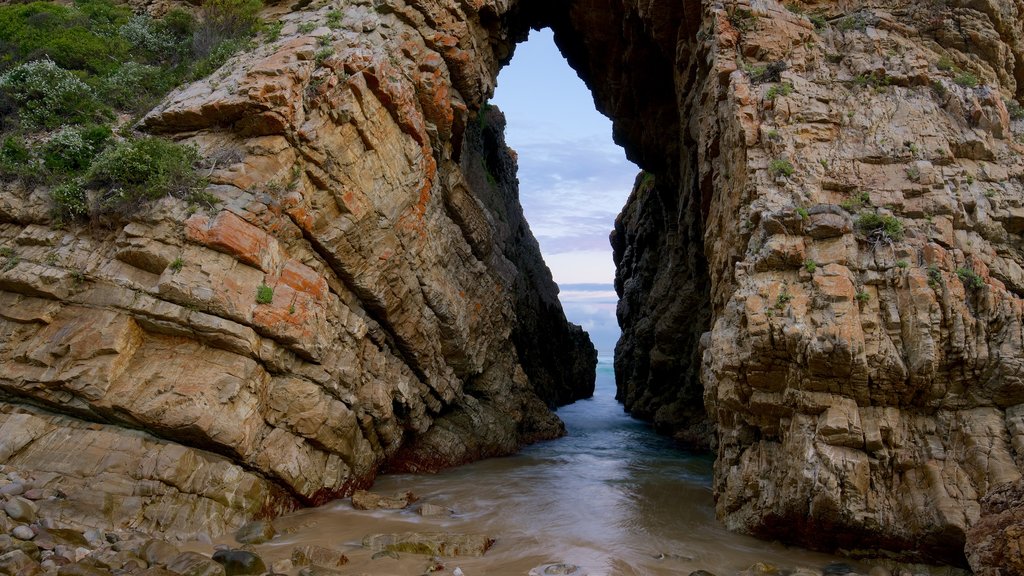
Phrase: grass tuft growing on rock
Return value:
(264, 294)
(879, 227)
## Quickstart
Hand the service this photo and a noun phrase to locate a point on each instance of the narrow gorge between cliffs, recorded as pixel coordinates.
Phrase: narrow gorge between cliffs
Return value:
(818, 275)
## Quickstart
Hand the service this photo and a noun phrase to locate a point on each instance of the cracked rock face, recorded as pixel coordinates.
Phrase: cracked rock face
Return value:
(344, 309)
(820, 270)
(843, 227)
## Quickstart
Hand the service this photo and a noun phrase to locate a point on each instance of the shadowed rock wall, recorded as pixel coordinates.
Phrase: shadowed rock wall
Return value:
(399, 279)
(820, 271)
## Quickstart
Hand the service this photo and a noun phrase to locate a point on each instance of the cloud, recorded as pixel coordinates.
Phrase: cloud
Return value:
(592, 306)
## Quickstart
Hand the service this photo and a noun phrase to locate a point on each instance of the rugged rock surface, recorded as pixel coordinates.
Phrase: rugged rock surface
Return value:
(995, 545)
(821, 270)
(864, 385)
(138, 366)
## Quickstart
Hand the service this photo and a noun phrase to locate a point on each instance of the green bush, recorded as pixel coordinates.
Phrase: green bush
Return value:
(970, 278)
(882, 227)
(48, 95)
(967, 80)
(783, 89)
(781, 167)
(70, 201)
(79, 37)
(224, 20)
(71, 149)
(135, 86)
(137, 170)
(157, 42)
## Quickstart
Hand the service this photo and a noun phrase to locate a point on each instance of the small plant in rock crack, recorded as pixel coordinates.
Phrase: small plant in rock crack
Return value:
(970, 278)
(781, 167)
(967, 80)
(934, 276)
(782, 299)
(902, 264)
(862, 297)
(177, 264)
(783, 89)
(914, 173)
(743, 20)
(264, 294)
(10, 258)
(879, 228)
(810, 266)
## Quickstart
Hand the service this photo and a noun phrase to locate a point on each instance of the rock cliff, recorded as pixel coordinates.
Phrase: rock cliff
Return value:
(345, 308)
(820, 269)
(846, 208)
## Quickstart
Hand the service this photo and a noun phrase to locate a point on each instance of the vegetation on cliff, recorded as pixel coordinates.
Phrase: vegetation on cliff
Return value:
(74, 78)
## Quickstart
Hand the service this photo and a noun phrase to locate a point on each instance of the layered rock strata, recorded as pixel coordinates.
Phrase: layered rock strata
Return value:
(820, 270)
(344, 307)
(850, 179)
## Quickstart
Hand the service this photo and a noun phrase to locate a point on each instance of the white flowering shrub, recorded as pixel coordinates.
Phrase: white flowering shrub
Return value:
(156, 42)
(70, 201)
(129, 85)
(73, 148)
(47, 95)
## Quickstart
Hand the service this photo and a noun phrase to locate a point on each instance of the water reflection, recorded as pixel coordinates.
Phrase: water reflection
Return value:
(612, 496)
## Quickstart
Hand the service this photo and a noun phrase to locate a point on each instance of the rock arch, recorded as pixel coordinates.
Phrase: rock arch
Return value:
(860, 388)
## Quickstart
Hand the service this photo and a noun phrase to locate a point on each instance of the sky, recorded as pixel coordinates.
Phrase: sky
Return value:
(573, 180)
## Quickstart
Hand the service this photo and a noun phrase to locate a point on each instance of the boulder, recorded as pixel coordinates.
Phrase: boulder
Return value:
(317, 556)
(239, 562)
(194, 564)
(363, 500)
(432, 543)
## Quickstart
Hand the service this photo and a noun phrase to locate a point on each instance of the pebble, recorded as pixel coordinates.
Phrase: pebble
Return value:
(12, 489)
(20, 509)
(23, 532)
(35, 494)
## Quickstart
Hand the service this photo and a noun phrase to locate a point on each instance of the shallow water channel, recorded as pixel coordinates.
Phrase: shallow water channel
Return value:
(612, 497)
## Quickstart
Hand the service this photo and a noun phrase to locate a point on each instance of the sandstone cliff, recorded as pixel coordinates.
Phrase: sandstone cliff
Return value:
(820, 270)
(346, 306)
(846, 204)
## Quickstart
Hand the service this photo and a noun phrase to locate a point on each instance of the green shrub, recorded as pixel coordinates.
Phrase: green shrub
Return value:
(945, 64)
(970, 278)
(781, 167)
(902, 264)
(1015, 109)
(222, 21)
(782, 299)
(142, 169)
(881, 227)
(81, 37)
(272, 30)
(334, 19)
(967, 80)
(177, 264)
(48, 95)
(264, 294)
(70, 201)
(810, 266)
(72, 148)
(803, 213)
(156, 42)
(862, 297)
(934, 276)
(17, 161)
(135, 86)
(784, 89)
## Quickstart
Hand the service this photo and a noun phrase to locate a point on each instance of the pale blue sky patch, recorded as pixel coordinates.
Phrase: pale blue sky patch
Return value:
(573, 180)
